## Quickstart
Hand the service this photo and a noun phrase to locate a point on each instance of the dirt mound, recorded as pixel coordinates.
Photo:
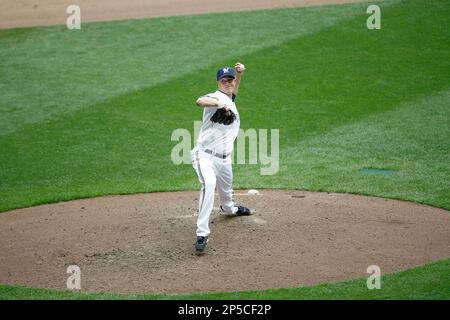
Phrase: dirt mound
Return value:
(144, 243)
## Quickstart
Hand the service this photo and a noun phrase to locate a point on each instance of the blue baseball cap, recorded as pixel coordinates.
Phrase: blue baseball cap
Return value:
(225, 72)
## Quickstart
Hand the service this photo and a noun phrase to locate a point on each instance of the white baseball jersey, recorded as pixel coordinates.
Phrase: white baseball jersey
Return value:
(215, 136)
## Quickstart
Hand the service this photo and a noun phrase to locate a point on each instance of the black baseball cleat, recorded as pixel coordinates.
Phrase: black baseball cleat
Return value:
(201, 244)
(243, 211)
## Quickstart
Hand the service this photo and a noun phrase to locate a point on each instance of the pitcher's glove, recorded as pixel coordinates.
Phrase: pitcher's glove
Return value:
(223, 116)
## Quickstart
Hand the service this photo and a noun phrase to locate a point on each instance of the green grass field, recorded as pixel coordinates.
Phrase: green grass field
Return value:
(90, 112)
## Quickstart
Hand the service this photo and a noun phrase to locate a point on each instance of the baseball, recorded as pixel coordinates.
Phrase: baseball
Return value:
(240, 68)
(253, 192)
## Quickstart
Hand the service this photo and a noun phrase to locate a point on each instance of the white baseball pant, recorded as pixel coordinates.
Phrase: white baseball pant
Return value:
(212, 171)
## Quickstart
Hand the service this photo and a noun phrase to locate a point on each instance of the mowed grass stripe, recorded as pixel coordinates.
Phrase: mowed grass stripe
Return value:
(305, 87)
(413, 140)
(48, 71)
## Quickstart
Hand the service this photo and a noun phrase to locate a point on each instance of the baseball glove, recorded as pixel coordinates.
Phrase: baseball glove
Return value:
(222, 116)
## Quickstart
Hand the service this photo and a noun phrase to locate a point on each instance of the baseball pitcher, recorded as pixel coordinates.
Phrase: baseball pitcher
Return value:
(211, 156)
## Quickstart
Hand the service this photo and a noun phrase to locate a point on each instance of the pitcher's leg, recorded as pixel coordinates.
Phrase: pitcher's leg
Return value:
(205, 171)
(224, 174)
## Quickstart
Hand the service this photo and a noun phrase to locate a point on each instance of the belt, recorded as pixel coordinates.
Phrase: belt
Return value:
(218, 155)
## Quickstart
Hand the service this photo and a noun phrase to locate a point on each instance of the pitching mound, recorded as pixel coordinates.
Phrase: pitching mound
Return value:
(144, 243)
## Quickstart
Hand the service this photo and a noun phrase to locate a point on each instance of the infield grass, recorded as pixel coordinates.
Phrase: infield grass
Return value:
(91, 112)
